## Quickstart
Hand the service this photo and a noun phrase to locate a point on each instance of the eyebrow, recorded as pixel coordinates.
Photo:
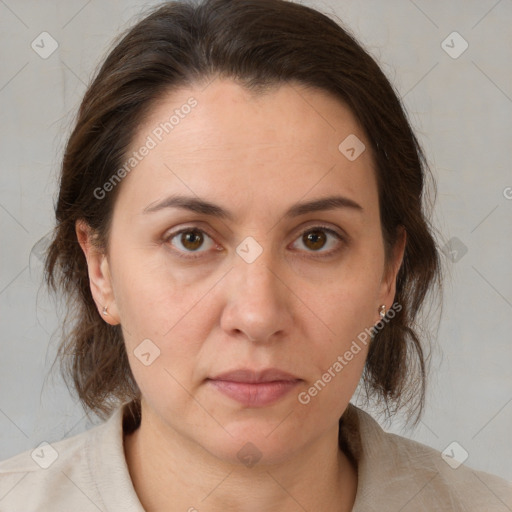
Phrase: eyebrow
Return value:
(204, 207)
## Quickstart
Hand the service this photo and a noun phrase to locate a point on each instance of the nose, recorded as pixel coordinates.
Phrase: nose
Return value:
(259, 302)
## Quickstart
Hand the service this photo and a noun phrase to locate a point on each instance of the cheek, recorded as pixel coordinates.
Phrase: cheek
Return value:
(163, 337)
(339, 342)
(350, 303)
(337, 368)
(151, 296)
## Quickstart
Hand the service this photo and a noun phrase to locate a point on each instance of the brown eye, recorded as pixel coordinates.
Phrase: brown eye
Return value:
(192, 240)
(314, 239)
(320, 240)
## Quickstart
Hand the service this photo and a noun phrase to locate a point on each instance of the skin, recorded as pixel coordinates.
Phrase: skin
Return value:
(255, 156)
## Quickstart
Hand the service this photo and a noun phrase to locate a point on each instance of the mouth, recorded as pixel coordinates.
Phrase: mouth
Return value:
(255, 388)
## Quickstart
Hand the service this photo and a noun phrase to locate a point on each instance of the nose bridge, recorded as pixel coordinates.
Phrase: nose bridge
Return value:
(259, 280)
(257, 305)
(253, 263)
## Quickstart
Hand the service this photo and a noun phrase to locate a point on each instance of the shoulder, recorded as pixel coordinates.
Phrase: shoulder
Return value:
(444, 480)
(51, 475)
(68, 474)
(397, 473)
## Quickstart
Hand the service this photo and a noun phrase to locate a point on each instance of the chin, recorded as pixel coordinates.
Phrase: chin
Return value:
(254, 443)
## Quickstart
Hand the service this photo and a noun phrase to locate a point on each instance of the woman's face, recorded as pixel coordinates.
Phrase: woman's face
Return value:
(267, 278)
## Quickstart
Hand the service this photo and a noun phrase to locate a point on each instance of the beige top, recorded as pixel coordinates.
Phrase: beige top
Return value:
(88, 472)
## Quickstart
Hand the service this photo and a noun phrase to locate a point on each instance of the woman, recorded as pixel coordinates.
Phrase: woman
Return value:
(241, 235)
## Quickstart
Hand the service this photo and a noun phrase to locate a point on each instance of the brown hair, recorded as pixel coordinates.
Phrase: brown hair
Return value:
(260, 44)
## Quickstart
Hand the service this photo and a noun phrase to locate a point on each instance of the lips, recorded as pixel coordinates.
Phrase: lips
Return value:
(254, 388)
(252, 376)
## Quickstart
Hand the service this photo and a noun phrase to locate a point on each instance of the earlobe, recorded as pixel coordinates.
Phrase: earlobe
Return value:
(100, 280)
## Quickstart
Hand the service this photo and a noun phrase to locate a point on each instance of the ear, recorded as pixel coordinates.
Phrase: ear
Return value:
(100, 279)
(388, 282)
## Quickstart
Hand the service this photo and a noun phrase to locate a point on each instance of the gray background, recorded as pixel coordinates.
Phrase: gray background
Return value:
(461, 109)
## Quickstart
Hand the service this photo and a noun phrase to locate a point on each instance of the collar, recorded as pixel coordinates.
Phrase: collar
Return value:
(392, 471)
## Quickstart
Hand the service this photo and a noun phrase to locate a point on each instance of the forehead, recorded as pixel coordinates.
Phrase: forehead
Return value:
(223, 140)
(287, 114)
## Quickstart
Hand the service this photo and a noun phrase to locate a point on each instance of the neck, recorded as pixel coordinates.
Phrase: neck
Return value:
(173, 473)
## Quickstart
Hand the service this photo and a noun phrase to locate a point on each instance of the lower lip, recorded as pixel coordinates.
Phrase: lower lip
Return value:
(255, 394)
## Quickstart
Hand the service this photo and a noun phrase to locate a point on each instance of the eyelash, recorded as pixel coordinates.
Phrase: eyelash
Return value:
(167, 239)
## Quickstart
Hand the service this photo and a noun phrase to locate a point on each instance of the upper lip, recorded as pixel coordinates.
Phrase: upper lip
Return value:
(255, 376)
